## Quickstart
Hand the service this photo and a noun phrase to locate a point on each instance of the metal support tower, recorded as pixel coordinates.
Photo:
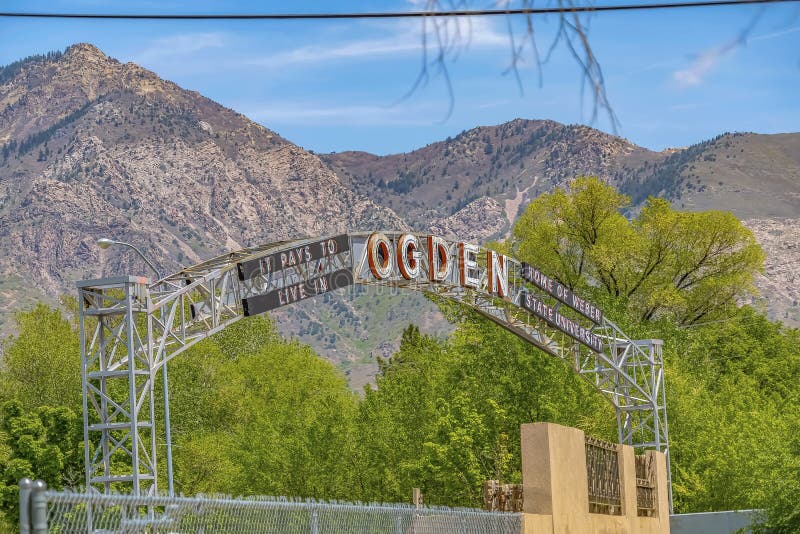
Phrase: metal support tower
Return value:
(644, 425)
(117, 379)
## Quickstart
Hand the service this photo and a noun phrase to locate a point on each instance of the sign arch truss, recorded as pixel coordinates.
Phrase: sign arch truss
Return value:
(131, 327)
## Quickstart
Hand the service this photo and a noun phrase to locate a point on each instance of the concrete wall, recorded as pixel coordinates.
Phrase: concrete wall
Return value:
(555, 489)
(711, 522)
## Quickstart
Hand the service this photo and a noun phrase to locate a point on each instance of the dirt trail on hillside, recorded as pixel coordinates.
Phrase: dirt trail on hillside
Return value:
(512, 205)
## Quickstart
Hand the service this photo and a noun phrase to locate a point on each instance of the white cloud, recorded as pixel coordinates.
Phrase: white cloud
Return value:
(360, 115)
(704, 63)
(695, 73)
(401, 38)
(350, 50)
(774, 35)
(178, 45)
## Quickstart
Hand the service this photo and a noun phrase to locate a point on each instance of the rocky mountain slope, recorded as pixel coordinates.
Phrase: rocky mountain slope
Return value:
(519, 158)
(780, 282)
(752, 175)
(100, 146)
(91, 147)
(463, 184)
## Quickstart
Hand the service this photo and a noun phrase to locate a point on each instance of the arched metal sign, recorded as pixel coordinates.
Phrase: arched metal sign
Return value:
(130, 329)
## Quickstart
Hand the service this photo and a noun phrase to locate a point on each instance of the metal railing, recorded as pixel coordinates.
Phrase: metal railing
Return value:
(645, 486)
(602, 473)
(499, 497)
(63, 512)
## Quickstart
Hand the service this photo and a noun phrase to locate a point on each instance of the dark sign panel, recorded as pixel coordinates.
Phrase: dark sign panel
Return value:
(556, 320)
(297, 292)
(561, 292)
(293, 257)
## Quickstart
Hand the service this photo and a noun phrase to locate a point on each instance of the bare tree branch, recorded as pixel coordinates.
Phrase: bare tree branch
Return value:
(445, 37)
(449, 40)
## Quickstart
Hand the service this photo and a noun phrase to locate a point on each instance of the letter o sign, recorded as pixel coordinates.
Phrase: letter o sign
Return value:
(379, 255)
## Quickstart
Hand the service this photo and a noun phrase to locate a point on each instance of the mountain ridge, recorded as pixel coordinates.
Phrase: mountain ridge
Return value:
(91, 147)
(442, 177)
(96, 148)
(123, 110)
(755, 176)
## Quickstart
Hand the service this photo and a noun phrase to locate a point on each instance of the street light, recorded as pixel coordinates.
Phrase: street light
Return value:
(104, 243)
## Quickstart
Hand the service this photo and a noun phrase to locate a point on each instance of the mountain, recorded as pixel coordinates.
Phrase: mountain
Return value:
(751, 175)
(512, 163)
(479, 181)
(91, 147)
(100, 146)
(757, 177)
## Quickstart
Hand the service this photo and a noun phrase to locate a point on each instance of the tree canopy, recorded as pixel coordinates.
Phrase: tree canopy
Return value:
(42, 364)
(254, 414)
(690, 266)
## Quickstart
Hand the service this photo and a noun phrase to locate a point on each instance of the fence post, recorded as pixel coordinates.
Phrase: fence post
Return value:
(39, 508)
(25, 486)
(314, 521)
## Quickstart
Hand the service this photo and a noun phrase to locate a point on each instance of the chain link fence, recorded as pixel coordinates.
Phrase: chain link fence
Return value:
(63, 512)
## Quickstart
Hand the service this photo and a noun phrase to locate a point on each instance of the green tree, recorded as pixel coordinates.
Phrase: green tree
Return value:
(782, 513)
(253, 414)
(560, 230)
(445, 416)
(41, 365)
(41, 431)
(733, 406)
(396, 417)
(690, 266)
(45, 443)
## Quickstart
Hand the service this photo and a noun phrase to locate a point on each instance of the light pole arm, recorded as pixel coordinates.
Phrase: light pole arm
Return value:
(141, 255)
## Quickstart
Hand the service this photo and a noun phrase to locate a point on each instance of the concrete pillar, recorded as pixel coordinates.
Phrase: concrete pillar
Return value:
(554, 475)
(627, 482)
(662, 495)
(555, 487)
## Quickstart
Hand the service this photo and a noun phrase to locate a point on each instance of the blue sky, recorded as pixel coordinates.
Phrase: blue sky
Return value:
(673, 77)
